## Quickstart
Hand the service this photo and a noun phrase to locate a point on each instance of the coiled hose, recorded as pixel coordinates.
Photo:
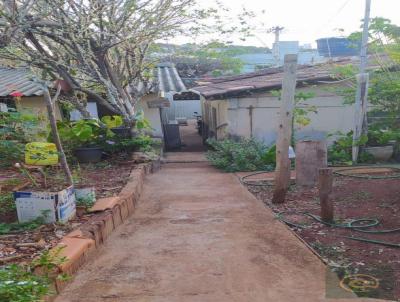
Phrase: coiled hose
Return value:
(359, 225)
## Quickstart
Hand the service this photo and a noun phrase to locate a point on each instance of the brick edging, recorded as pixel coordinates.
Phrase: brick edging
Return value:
(79, 245)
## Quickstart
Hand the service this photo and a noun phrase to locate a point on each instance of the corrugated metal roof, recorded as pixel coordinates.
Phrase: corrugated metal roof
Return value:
(18, 80)
(169, 79)
(265, 80)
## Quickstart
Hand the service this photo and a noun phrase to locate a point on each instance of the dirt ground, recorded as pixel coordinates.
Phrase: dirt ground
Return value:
(353, 198)
(191, 140)
(108, 177)
(198, 235)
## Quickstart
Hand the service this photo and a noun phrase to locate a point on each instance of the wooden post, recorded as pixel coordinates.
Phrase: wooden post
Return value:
(282, 172)
(54, 132)
(325, 182)
(310, 156)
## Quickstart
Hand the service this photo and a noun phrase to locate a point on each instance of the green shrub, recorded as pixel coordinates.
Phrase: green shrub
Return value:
(18, 284)
(11, 152)
(7, 203)
(380, 137)
(240, 155)
(339, 153)
(118, 144)
(82, 133)
(17, 129)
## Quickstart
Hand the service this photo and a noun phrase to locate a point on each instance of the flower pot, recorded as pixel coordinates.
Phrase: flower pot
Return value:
(380, 153)
(89, 155)
(122, 131)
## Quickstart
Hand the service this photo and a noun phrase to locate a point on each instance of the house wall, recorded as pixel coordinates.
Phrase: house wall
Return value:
(217, 109)
(258, 116)
(152, 114)
(36, 104)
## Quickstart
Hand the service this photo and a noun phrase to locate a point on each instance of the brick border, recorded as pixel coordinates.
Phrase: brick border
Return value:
(79, 245)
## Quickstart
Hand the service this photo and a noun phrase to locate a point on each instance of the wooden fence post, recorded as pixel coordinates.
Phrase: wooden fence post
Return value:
(310, 156)
(282, 172)
(325, 183)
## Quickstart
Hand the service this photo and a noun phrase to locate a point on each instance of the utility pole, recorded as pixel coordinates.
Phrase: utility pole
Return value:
(360, 120)
(282, 172)
(275, 47)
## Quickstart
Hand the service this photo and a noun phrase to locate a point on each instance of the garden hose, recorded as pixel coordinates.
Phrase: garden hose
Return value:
(340, 173)
(242, 180)
(389, 244)
(359, 225)
(337, 172)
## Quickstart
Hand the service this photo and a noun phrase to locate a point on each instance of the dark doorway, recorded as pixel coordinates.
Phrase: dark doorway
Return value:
(190, 138)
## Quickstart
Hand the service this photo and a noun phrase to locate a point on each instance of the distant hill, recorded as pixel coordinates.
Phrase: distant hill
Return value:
(189, 47)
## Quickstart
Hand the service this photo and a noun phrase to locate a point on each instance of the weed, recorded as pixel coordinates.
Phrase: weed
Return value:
(87, 201)
(19, 284)
(49, 261)
(16, 227)
(11, 182)
(240, 155)
(7, 203)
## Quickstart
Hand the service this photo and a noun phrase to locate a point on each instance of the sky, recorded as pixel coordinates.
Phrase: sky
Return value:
(305, 20)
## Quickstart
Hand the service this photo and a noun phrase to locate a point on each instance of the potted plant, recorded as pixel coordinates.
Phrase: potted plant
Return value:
(116, 124)
(85, 199)
(85, 138)
(381, 144)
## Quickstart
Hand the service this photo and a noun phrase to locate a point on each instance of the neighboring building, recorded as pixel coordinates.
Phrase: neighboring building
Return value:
(337, 47)
(244, 106)
(256, 61)
(283, 48)
(19, 81)
(169, 101)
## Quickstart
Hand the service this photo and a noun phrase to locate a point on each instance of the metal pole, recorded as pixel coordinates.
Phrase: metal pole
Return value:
(360, 105)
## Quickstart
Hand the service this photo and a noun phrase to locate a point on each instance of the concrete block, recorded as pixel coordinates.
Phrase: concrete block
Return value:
(103, 204)
(74, 250)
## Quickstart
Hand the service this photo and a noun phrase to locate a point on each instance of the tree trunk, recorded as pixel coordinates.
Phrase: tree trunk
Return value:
(282, 172)
(55, 134)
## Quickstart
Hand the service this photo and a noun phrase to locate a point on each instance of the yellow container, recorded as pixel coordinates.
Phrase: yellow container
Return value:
(41, 154)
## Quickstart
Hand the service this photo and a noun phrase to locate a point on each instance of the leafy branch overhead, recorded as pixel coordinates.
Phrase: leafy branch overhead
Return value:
(100, 47)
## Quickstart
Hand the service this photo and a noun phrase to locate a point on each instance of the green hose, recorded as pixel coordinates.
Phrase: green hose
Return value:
(353, 224)
(360, 225)
(340, 173)
(242, 180)
(389, 244)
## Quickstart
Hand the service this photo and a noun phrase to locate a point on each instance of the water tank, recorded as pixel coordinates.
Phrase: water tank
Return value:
(338, 47)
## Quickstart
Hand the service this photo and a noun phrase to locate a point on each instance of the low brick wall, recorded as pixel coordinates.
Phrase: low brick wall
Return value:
(79, 245)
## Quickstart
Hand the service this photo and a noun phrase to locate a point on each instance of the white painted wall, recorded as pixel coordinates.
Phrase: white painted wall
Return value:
(182, 108)
(152, 114)
(332, 116)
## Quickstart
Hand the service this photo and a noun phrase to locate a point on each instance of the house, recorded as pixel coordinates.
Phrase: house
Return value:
(18, 90)
(247, 105)
(169, 101)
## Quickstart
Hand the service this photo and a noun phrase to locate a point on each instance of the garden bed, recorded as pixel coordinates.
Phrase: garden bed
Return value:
(20, 243)
(353, 198)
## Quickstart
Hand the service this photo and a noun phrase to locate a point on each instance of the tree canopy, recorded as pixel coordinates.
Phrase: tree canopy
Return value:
(98, 47)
